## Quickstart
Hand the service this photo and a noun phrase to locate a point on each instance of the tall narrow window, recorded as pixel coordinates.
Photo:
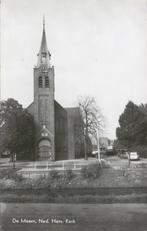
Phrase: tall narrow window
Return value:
(43, 54)
(40, 82)
(46, 81)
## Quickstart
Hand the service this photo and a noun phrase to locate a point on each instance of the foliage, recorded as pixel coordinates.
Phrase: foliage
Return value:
(17, 132)
(141, 150)
(91, 171)
(54, 174)
(105, 164)
(41, 182)
(132, 130)
(68, 175)
(57, 180)
(10, 174)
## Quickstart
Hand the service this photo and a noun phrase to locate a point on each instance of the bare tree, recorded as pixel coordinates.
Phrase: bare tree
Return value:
(93, 120)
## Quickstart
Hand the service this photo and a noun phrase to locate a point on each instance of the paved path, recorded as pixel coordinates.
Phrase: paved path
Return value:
(71, 217)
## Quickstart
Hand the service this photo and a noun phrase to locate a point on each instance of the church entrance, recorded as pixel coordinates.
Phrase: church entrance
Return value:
(44, 150)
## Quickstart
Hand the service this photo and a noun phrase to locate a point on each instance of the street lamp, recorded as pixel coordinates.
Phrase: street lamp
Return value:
(85, 144)
(98, 146)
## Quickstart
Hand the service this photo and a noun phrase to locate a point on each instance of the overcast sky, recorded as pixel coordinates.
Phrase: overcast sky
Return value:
(98, 48)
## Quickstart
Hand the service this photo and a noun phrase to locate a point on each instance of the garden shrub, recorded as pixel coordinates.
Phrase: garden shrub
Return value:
(16, 177)
(40, 182)
(54, 174)
(26, 184)
(68, 175)
(92, 170)
(105, 164)
(60, 180)
(3, 173)
(141, 149)
(10, 174)
(7, 184)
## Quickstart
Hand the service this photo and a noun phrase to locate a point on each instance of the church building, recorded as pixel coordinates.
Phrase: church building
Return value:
(57, 128)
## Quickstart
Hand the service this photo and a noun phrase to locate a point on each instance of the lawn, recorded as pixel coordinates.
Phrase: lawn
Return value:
(95, 183)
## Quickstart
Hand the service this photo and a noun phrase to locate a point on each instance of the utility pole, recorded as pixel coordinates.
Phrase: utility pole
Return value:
(85, 144)
(98, 146)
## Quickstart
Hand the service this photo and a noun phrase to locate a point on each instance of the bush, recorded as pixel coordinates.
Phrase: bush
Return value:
(68, 175)
(142, 150)
(41, 182)
(54, 174)
(7, 184)
(16, 177)
(3, 173)
(105, 164)
(10, 174)
(25, 184)
(91, 170)
(58, 180)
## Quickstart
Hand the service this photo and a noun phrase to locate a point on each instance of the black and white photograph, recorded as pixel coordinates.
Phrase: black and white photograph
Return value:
(73, 115)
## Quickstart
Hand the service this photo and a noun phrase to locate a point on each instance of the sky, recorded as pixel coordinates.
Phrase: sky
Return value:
(98, 48)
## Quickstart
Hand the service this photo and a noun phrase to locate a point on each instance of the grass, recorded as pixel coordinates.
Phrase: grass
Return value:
(14, 188)
(91, 177)
(57, 198)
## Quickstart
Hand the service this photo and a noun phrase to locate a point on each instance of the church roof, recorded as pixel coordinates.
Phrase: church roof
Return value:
(73, 111)
(44, 55)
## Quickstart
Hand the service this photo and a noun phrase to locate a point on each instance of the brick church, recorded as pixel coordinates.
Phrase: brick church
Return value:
(57, 128)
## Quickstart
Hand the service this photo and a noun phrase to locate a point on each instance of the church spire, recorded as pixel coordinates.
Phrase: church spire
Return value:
(44, 22)
(44, 55)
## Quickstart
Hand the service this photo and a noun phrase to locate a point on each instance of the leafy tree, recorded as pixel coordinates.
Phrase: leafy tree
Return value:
(132, 128)
(17, 130)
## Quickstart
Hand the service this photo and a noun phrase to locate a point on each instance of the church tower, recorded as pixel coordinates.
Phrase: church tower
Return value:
(44, 102)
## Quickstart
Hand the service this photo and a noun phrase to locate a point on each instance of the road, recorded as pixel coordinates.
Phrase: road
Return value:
(116, 162)
(71, 217)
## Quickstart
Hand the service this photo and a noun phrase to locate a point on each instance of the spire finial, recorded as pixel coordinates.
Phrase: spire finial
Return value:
(43, 21)
(44, 55)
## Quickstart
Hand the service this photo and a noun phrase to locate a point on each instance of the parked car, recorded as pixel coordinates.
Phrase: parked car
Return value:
(5, 154)
(123, 154)
(133, 156)
(110, 150)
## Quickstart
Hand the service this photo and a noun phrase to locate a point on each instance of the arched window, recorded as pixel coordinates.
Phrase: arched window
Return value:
(43, 54)
(46, 81)
(40, 82)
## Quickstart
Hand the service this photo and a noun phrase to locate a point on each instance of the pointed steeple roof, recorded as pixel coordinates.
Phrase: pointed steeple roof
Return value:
(44, 55)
